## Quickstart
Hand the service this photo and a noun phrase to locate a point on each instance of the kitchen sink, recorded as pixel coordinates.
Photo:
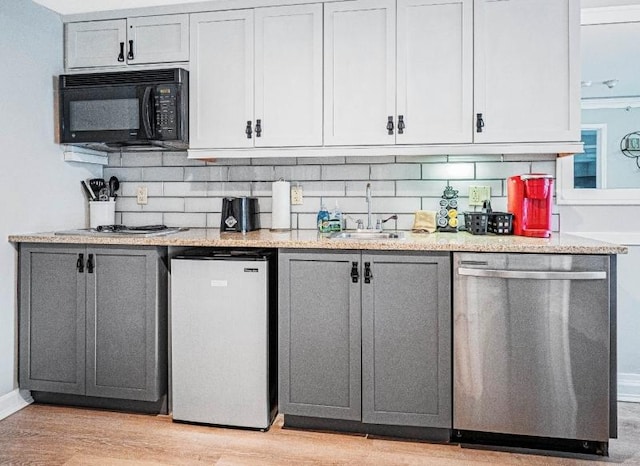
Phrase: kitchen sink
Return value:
(368, 235)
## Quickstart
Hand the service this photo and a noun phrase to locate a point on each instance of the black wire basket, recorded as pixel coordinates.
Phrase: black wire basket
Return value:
(476, 222)
(500, 223)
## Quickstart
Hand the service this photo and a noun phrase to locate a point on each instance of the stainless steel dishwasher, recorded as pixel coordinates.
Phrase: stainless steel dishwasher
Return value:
(532, 346)
(223, 337)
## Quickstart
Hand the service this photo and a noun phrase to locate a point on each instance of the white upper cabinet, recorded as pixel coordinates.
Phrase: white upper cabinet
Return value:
(158, 39)
(143, 40)
(435, 72)
(359, 72)
(527, 68)
(256, 78)
(288, 75)
(95, 43)
(221, 80)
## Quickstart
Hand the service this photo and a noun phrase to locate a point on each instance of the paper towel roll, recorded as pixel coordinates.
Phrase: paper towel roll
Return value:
(280, 205)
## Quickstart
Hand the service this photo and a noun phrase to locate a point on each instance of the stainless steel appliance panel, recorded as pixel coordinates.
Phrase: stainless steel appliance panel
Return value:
(531, 345)
(220, 353)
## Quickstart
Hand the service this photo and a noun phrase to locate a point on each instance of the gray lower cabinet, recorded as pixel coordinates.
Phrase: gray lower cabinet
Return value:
(93, 321)
(366, 337)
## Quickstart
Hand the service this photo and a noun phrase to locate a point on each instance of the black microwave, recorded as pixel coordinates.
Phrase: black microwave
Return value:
(148, 108)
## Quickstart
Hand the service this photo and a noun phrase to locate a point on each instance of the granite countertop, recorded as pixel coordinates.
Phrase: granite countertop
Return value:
(309, 239)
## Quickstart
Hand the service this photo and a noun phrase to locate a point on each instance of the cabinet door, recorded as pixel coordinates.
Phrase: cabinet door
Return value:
(123, 342)
(527, 70)
(435, 71)
(288, 75)
(319, 335)
(52, 319)
(158, 39)
(359, 72)
(221, 79)
(406, 340)
(95, 43)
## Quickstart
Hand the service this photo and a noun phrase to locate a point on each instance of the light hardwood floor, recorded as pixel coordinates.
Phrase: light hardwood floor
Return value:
(54, 435)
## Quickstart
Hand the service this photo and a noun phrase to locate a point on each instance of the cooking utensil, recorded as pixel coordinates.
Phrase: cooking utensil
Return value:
(114, 185)
(96, 184)
(103, 194)
(87, 190)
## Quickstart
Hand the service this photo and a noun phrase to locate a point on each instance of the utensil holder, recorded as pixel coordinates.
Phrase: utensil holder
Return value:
(476, 222)
(500, 223)
(102, 213)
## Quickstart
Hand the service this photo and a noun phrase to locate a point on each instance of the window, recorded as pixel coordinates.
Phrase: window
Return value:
(587, 167)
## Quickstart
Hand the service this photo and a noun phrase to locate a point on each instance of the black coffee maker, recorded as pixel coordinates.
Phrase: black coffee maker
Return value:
(240, 214)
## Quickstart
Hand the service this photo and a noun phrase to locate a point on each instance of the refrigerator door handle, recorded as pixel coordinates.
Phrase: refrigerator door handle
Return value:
(532, 274)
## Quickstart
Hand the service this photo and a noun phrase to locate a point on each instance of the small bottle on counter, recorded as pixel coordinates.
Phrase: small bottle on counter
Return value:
(335, 219)
(323, 220)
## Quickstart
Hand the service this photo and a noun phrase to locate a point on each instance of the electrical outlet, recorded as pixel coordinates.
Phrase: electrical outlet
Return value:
(296, 195)
(142, 195)
(479, 194)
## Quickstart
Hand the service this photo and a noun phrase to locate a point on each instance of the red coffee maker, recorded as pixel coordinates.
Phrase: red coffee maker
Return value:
(529, 200)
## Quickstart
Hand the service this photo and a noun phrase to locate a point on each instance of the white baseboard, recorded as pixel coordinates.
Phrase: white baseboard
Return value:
(629, 387)
(14, 401)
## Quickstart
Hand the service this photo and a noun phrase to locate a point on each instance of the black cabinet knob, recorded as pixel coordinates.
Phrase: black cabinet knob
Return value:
(121, 54)
(368, 276)
(130, 54)
(258, 128)
(90, 264)
(80, 263)
(248, 131)
(401, 124)
(390, 125)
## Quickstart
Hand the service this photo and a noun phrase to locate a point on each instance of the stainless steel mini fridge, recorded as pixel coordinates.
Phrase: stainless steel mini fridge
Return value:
(222, 349)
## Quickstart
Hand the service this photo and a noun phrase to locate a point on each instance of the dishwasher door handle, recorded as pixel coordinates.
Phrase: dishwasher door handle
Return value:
(532, 274)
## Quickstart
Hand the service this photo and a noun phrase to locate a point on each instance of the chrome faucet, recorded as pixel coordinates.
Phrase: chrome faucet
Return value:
(368, 194)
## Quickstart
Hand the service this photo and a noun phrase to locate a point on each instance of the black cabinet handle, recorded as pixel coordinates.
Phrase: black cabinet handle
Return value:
(368, 276)
(90, 264)
(479, 123)
(130, 54)
(354, 272)
(121, 54)
(401, 124)
(248, 130)
(80, 263)
(258, 128)
(390, 125)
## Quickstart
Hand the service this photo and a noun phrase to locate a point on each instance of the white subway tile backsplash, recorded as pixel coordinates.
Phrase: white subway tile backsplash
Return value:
(185, 189)
(345, 172)
(474, 158)
(500, 170)
(272, 161)
(138, 219)
(189, 220)
(130, 189)
(448, 171)
(420, 188)
(179, 159)
(207, 204)
(297, 173)
(213, 220)
(421, 159)
(378, 188)
(207, 173)
(123, 174)
(463, 186)
(189, 193)
(321, 160)
(230, 189)
(251, 173)
(548, 167)
(142, 159)
(403, 171)
(164, 204)
(369, 160)
(163, 173)
(322, 188)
